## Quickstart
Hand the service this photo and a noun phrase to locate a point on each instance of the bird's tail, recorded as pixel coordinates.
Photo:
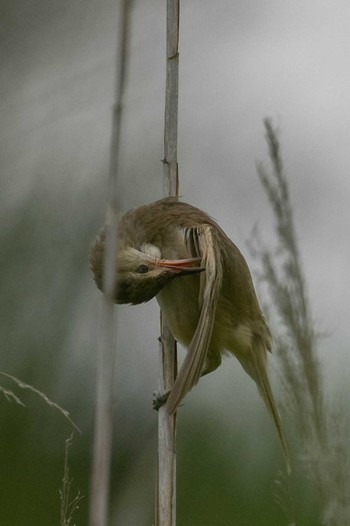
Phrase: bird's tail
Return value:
(259, 373)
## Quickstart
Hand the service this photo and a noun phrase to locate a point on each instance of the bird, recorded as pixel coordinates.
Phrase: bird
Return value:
(178, 254)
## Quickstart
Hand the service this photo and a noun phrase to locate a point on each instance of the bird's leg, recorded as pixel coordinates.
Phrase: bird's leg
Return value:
(160, 399)
(212, 362)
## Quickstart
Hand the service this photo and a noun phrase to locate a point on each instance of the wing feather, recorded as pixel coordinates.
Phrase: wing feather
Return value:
(202, 241)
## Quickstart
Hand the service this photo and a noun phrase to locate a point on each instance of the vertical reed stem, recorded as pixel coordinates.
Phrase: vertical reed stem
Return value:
(166, 480)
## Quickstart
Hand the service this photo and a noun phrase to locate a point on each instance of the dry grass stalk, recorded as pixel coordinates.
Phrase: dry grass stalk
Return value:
(69, 505)
(10, 396)
(166, 479)
(22, 385)
(101, 464)
(319, 428)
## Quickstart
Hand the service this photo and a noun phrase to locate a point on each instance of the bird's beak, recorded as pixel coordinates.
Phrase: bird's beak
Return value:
(181, 266)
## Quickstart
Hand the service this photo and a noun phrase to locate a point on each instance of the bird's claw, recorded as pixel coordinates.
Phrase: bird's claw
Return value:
(159, 399)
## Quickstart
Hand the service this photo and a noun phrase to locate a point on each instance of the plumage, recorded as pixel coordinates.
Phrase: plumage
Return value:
(175, 252)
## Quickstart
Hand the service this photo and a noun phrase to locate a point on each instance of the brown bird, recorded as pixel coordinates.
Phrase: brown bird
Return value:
(175, 252)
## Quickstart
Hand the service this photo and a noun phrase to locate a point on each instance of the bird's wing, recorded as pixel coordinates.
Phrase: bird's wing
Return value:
(202, 241)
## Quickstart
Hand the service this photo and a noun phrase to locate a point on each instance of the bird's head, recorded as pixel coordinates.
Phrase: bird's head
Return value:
(141, 274)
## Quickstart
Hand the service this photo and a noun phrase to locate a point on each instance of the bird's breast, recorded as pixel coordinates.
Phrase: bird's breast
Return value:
(179, 302)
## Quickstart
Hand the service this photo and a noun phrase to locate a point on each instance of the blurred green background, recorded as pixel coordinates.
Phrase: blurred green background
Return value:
(239, 62)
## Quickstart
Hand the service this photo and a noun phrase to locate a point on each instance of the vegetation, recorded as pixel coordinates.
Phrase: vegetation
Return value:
(318, 427)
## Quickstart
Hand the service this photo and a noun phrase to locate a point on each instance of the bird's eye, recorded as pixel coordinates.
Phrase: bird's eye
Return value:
(142, 269)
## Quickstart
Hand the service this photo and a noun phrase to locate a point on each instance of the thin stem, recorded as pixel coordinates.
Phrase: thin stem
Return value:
(103, 434)
(166, 480)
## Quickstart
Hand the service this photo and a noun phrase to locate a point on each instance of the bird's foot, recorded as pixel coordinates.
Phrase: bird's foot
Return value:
(159, 399)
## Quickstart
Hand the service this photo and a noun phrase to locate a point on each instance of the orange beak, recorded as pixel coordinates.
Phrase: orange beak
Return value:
(181, 266)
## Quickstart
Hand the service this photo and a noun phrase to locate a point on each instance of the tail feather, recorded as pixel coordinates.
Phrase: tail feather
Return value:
(258, 360)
